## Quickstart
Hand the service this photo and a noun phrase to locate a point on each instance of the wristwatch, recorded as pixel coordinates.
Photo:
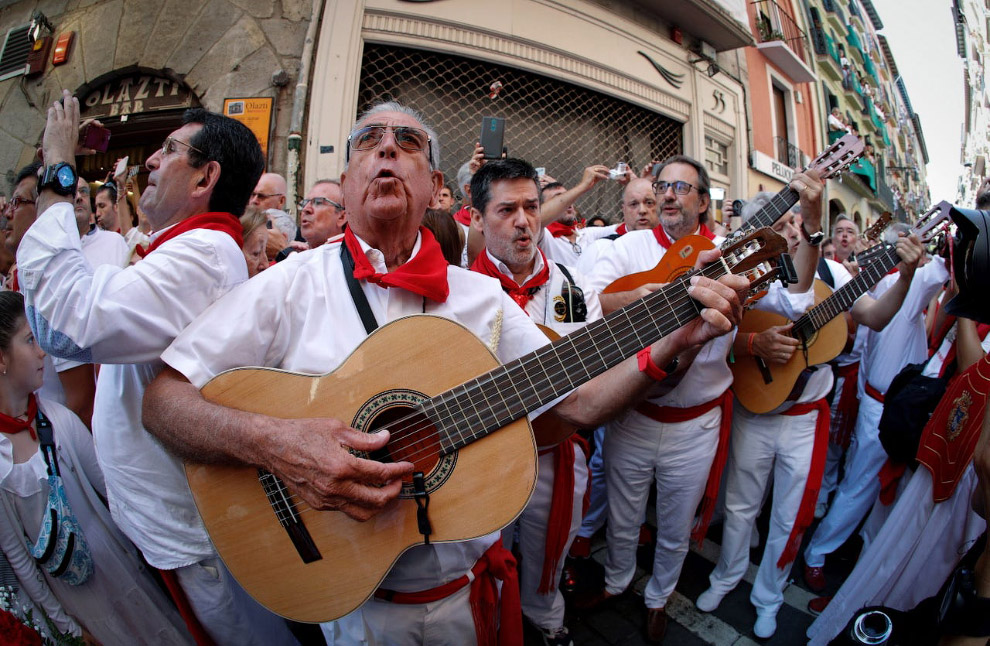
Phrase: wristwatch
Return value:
(813, 239)
(60, 178)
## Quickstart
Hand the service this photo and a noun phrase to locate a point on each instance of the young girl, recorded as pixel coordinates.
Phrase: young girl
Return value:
(88, 577)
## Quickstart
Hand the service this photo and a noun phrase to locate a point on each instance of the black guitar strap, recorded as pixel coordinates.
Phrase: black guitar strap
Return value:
(420, 494)
(357, 294)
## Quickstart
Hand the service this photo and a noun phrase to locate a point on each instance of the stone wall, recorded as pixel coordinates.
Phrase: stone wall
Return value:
(220, 48)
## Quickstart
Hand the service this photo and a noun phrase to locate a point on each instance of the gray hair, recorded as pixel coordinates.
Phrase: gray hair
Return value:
(395, 106)
(464, 176)
(756, 203)
(283, 222)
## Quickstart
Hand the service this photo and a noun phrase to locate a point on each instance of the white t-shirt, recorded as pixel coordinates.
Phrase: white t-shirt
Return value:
(124, 318)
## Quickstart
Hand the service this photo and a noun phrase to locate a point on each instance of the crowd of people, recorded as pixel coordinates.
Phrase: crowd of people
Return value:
(118, 312)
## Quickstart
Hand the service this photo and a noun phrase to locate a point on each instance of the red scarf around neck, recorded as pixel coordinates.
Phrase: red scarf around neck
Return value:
(463, 216)
(559, 229)
(424, 274)
(13, 425)
(665, 242)
(214, 220)
(521, 294)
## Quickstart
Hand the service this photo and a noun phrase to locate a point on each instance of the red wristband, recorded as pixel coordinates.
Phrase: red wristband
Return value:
(749, 344)
(647, 366)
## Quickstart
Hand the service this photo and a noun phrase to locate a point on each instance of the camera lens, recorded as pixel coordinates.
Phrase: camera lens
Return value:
(873, 627)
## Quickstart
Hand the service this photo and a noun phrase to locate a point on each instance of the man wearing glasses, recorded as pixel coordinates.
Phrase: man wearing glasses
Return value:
(269, 193)
(321, 213)
(393, 267)
(671, 437)
(123, 318)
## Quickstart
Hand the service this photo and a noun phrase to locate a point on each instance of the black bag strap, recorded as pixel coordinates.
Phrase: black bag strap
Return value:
(46, 439)
(357, 294)
(567, 274)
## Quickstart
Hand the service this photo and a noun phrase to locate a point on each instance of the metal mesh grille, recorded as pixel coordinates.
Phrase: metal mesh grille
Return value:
(549, 123)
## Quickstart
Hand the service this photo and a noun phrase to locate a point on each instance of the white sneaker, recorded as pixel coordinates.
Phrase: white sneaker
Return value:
(708, 600)
(821, 509)
(765, 626)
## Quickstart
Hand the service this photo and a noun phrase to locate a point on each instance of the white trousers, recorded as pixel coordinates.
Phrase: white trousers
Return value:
(679, 456)
(447, 622)
(760, 444)
(545, 610)
(912, 555)
(226, 611)
(859, 487)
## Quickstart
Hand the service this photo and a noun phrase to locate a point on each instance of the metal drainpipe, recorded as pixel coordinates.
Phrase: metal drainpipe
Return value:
(299, 107)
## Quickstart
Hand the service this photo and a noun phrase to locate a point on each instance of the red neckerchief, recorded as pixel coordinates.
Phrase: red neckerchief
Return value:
(424, 274)
(521, 294)
(13, 425)
(665, 242)
(621, 229)
(216, 221)
(463, 216)
(559, 229)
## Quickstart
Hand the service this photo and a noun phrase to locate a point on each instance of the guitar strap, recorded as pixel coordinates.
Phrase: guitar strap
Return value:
(357, 294)
(420, 495)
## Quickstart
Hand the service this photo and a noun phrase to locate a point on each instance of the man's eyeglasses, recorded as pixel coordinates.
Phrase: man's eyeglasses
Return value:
(82, 189)
(408, 138)
(318, 202)
(264, 196)
(169, 146)
(680, 188)
(16, 202)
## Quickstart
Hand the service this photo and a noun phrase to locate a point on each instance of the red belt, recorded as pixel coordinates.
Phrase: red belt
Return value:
(199, 634)
(848, 406)
(670, 415)
(806, 512)
(498, 563)
(874, 393)
(561, 508)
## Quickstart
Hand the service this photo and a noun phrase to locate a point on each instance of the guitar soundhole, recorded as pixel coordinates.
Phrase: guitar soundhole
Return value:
(414, 439)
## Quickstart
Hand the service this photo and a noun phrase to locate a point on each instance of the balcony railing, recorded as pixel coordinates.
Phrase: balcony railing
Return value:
(773, 22)
(787, 153)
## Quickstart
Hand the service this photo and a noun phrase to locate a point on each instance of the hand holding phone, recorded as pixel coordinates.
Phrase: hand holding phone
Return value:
(95, 137)
(492, 136)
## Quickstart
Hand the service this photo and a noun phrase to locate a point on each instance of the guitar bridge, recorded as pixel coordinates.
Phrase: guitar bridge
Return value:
(285, 510)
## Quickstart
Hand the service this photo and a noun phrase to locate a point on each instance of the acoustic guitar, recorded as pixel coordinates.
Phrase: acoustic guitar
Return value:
(761, 386)
(683, 253)
(452, 411)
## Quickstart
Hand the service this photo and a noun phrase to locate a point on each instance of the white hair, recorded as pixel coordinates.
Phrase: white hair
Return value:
(395, 106)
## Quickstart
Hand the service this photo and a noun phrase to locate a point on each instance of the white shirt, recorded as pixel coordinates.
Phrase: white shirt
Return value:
(569, 253)
(709, 375)
(313, 326)
(124, 318)
(934, 366)
(903, 341)
(102, 247)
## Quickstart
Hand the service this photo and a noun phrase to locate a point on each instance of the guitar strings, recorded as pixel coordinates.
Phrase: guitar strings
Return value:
(636, 316)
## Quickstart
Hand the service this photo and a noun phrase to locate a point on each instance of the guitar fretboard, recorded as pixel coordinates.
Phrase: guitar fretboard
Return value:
(772, 211)
(843, 298)
(470, 411)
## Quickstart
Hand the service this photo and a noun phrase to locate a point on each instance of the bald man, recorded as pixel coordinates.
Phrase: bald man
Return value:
(269, 193)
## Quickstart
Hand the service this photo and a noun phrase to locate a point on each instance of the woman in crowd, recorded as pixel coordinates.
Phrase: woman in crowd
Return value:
(254, 227)
(69, 557)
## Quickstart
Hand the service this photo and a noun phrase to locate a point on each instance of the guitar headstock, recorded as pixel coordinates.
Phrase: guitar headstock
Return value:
(934, 219)
(838, 156)
(758, 256)
(877, 228)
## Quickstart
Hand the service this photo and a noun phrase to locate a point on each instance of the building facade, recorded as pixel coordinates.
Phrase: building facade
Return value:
(579, 82)
(972, 33)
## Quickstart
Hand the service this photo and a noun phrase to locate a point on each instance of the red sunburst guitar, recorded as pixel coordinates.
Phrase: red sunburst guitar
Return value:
(683, 254)
(452, 411)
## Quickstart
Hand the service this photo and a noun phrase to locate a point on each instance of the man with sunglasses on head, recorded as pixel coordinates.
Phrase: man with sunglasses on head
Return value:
(386, 266)
(679, 435)
(123, 318)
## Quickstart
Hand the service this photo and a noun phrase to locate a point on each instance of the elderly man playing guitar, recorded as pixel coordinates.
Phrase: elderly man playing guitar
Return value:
(383, 268)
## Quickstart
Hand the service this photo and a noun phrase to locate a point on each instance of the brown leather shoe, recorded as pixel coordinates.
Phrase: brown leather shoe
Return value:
(594, 600)
(814, 577)
(656, 625)
(817, 605)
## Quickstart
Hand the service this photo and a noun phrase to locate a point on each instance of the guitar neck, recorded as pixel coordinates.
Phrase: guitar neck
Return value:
(478, 407)
(772, 211)
(843, 298)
